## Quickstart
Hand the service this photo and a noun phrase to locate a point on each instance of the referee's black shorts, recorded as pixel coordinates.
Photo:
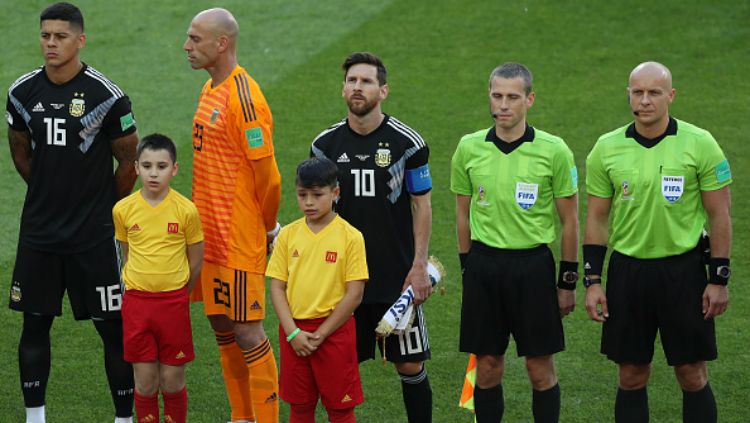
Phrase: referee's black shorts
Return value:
(510, 292)
(665, 294)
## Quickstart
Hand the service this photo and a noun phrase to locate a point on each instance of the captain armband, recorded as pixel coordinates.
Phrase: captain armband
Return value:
(593, 259)
(418, 180)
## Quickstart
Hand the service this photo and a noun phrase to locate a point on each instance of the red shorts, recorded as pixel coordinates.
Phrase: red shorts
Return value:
(331, 372)
(156, 326)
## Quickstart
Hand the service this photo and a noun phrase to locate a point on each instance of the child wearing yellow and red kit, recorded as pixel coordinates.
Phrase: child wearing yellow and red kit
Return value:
(318, 270)
(162, 241)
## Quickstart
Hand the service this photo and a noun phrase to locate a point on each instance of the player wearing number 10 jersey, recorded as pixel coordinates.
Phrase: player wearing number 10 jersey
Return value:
(385, 193)
(66, 122)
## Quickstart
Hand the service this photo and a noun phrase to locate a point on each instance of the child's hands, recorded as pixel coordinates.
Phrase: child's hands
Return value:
(304, 344)
(317, 339)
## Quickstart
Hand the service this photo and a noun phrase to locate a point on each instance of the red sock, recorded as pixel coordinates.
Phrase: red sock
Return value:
(302, 413)
(147, 408)
(175, 406)
(345, 415)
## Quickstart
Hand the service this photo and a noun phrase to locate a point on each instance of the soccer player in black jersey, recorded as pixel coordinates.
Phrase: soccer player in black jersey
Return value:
(66, 122)
(385, 193)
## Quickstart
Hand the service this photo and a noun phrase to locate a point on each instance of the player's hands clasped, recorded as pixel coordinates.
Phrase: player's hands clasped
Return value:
(305, 343)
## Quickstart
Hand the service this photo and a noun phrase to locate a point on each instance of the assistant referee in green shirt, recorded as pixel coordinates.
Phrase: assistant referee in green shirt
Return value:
(511, 181)
(662, 180)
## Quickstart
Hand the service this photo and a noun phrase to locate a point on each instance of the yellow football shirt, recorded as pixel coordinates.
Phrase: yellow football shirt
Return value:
(157, 239)
(316, 267)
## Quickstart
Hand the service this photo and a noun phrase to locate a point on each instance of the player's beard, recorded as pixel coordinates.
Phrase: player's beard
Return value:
(361, 108)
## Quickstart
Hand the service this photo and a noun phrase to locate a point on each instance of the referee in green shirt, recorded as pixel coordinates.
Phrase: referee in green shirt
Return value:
(510, 180)
(661, 180)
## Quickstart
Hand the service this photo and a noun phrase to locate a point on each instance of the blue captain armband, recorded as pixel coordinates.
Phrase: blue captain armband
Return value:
(419, 179)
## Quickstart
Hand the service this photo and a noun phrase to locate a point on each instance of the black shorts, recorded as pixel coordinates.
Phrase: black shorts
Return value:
(412, 346)
(663, 294)
(510, 292)
(91, 277)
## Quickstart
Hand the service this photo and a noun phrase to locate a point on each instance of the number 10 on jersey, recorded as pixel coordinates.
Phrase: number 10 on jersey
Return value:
(364, 182)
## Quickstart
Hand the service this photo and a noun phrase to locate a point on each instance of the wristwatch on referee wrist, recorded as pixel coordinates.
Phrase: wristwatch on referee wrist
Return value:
(588, 281)
(568, 280)
(722, 275)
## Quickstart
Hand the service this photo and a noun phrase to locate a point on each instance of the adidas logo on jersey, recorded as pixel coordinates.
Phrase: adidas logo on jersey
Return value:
(343, 159)
(295, 254)
(346, 398)
(271, 398)
(255, 306)
(134, 228)
(179, 355)
(38, 108)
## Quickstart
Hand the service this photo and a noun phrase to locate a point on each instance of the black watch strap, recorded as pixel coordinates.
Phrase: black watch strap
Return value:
(588, 281)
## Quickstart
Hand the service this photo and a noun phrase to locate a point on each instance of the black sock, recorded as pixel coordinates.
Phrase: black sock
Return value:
(489, 404)
(546, 405)
(631, 406)
(699, 406)
(119, 372)
(34, 358)
(417, 395)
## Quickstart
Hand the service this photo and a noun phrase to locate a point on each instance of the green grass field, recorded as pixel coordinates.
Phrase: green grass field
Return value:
(439, 55)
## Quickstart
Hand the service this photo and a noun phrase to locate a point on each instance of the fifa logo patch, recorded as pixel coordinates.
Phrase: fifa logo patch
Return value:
(626, 193)
(173, 227)
(672, 187)
(526, 194)
(331, 256)
(15, 292)
(482, 196)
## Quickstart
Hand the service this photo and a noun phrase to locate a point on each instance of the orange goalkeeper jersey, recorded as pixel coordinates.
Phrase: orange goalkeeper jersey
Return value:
(236, 182)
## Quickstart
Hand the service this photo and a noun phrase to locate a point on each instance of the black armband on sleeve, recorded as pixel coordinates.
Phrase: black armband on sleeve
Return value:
(593, 259)
(718, 271)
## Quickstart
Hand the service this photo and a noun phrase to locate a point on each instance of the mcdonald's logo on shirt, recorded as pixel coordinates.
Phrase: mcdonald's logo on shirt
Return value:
(173, 227)
(331, 256)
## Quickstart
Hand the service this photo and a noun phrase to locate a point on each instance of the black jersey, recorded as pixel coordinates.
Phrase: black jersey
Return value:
(374, 196)
(71, 191)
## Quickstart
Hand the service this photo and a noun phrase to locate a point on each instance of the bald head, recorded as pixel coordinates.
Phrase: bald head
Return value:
(219, 22)
(652, 71)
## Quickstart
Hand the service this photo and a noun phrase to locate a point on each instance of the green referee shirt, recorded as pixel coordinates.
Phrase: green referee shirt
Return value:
(655, 186)
(512, 190)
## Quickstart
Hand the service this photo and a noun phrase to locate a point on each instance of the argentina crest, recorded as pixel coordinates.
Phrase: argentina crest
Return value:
(526, 194)
(77, 105)
(383, 155)
(672, 187)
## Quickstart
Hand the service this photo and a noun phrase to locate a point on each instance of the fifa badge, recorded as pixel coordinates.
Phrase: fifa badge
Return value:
(15, 292)
(77, 105)
(526, 194)
(672, 187)
(383, 155)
